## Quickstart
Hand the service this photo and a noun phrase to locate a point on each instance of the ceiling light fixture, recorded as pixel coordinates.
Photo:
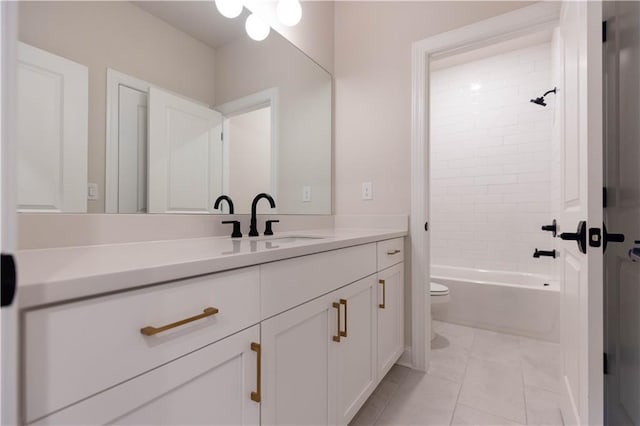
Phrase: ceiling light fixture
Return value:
(229, 8)
(257, 28)
(289, 12)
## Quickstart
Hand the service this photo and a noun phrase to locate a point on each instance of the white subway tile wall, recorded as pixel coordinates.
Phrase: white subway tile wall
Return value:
(491, 157)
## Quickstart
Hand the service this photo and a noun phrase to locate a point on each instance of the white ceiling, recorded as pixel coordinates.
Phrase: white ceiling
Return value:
(199, 19)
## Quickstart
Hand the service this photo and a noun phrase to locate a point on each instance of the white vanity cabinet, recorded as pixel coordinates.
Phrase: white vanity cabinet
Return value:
(303, 341)
(77, 350)
(390, 307)
(319, 358)
(211, 386)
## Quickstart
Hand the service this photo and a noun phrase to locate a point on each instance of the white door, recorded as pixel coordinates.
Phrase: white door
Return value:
(622, 213)
(8, 219)
(185, 155)
(580, 103)
(52, 155)
(390, 317)
(298, 375)
(132, 150)
(356, 352)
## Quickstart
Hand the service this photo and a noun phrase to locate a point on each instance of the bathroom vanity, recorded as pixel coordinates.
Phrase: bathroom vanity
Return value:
(295, 329)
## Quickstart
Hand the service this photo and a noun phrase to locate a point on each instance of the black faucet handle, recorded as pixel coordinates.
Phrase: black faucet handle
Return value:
(236, 228)
(267, 229)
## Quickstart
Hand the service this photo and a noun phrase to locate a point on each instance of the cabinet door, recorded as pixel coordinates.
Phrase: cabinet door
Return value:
(211, 386)
(299, 365)
(356, 358)
(390, 307)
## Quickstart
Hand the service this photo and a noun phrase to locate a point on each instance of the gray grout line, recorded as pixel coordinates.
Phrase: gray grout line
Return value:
(524, 390)
(464, 376)
(384, 407)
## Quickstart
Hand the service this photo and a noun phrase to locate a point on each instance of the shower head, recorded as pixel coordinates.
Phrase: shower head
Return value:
(540, 100)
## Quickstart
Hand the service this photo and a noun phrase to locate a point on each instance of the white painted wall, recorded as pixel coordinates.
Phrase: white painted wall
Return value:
(491, 162)
(249, 147)
(373, 93)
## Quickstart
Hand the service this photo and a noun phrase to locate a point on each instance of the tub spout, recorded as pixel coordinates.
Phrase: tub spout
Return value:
(550, 253)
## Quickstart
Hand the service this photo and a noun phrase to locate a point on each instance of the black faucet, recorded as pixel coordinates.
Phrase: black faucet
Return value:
(226, 198)
(253, 229)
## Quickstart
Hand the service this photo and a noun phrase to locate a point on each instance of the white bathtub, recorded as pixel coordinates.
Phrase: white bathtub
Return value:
(515, 303)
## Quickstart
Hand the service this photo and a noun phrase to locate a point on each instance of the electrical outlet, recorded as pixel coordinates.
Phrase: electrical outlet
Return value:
(367, 191)
(306, 194)
(92, 191)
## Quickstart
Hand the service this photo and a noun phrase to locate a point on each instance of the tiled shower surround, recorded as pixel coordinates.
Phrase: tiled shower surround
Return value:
(491, 173)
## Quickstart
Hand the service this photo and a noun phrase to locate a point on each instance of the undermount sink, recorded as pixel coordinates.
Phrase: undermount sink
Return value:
(293, 239)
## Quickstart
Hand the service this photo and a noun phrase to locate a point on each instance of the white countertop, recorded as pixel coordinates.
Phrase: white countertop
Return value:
(48, 276)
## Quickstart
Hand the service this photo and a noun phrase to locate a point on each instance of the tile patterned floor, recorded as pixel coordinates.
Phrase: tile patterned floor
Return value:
(475, 377)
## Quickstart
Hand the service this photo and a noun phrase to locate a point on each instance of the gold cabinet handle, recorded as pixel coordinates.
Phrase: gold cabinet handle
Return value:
(150, 331)
(384, 294)
(257, 395)
(344, 333)
(392, 252)
(336, 338)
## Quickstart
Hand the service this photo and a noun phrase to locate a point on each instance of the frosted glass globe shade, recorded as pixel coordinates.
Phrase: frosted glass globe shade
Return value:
(289, 12)
(257, 28)
(229, 8)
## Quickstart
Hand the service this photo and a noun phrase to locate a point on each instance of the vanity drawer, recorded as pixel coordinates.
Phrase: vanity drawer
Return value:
(289, 283)
(77, 349)
(390, 252)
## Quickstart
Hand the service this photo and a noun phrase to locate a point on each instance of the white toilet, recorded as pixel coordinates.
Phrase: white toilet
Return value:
(439, 295)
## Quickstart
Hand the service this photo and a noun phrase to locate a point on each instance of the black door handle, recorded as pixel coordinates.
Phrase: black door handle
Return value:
(580, 236)
(8, 280)
(610, 238)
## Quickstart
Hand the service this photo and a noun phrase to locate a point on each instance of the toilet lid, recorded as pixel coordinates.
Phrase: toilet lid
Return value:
(439, 289)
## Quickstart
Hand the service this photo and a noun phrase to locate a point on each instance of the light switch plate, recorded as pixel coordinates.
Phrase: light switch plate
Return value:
(92, 191)
(367, 191)
(306, 194)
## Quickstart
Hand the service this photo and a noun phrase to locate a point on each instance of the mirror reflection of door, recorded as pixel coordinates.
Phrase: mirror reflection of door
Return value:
(132, 150)
(164, 151)
(52, 112)
(247, 145)
(185, 154)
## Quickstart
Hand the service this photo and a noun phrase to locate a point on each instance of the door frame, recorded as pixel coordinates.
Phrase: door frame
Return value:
(115, 79)
(9, 392)
(530, 19)
(264, 98)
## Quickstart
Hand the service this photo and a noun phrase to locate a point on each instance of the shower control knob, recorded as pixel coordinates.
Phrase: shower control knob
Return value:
(553, 228)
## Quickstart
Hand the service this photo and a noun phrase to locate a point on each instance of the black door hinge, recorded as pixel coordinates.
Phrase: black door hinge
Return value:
(605, 204)
(426, 226)
(7, 280)
(605, 362)
(604, 31)
(222, 137)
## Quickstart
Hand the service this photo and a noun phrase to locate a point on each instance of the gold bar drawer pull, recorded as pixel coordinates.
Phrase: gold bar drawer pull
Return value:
(392, 252)
(150, 331)
(384, 295)
(257, 395)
